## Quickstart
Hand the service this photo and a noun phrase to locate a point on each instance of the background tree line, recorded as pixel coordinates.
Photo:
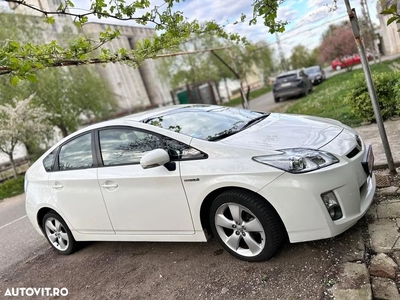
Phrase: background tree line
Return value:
(66, 96)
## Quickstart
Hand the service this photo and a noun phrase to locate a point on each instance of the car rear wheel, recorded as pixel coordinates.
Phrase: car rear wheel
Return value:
(58, 234)
(246, 225)
(276, 99)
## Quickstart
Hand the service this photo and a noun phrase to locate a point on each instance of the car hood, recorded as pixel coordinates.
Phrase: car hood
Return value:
(280, 131)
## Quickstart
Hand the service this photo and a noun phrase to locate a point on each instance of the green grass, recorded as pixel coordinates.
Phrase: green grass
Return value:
(11, 187)
(253, 94)
(327, 100)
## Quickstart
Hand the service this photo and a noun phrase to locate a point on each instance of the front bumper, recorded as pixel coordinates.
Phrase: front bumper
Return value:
(316, 80)
(297, 199)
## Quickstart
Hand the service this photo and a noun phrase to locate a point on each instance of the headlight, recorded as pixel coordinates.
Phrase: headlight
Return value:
(298, 160)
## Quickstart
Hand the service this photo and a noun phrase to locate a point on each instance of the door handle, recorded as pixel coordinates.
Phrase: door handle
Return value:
(109, 185)
(57, 186)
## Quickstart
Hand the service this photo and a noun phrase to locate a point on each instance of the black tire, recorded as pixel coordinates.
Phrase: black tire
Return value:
(259, 209)
(276, 99)
(71, 244)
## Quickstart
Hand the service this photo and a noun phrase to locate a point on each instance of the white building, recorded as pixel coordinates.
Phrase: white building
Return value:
(132, 87)
(390, 37)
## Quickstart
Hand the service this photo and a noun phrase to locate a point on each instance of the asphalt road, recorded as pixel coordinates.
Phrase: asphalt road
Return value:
(19, 242)
(266, 102)
(163, 270)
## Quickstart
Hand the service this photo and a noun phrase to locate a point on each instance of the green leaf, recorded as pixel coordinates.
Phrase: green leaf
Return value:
(391, 10)
(49, 20)
(31, 77)
(391, 20)
(15, 44)
(14, 80)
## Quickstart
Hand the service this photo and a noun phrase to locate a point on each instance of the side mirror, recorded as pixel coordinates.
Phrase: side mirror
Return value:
(154, 158)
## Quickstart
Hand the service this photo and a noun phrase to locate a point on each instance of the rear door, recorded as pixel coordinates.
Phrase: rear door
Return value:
(75, 189)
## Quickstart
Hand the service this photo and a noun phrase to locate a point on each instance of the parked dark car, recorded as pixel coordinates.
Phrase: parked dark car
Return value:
(316, 74)
(292, 83)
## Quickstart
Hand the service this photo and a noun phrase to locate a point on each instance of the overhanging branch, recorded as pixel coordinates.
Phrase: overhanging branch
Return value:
(76, 62)
(80, 16)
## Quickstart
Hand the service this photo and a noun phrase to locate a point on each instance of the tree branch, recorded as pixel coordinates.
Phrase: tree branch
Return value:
(81, 16)
(76, 62)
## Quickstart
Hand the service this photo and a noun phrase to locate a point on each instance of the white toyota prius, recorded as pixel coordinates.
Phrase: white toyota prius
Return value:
(186, 173)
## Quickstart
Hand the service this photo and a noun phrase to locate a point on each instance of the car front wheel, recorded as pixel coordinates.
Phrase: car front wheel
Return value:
(246, 225)
(58, 234)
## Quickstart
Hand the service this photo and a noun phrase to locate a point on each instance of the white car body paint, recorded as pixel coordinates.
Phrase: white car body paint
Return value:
(129, 203)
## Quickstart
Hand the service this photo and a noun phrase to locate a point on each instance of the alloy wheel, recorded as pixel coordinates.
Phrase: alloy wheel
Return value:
(56, 234)
(240, 229)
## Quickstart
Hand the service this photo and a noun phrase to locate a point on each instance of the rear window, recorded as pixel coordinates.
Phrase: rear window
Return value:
(286, 78)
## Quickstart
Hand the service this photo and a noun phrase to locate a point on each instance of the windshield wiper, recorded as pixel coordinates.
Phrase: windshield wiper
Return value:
(231, 132)
(253, 121)
(222, 135)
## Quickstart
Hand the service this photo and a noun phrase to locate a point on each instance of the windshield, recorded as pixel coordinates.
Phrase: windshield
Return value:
(312, 70)
(206, 122)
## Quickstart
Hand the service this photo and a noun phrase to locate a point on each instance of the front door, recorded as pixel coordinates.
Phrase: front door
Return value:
(140, 201)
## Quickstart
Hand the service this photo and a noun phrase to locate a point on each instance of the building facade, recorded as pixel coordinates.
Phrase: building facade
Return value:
(132, 88)
(389, 35)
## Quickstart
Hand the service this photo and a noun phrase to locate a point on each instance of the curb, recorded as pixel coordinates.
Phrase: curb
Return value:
(385, 166)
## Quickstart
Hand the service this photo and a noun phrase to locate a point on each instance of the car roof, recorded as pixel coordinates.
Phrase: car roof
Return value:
(313, 67)
(133, 118)
(149, 114)
(288, 73)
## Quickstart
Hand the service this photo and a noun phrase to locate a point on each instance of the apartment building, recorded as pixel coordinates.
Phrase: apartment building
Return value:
(132, 87)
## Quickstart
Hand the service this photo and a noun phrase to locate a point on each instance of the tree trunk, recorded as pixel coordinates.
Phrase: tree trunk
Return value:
(227, 89)
(63, 129)
(11, 157)
(30, 151)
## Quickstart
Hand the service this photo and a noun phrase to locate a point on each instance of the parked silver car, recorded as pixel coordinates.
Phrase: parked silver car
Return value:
(292, 83)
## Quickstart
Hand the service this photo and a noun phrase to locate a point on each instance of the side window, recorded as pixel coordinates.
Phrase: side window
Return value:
(76, 154)
(181, 151)
(48, 162)
(120, 146)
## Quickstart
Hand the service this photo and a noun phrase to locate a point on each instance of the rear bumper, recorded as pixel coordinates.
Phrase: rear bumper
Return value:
(297, 91)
